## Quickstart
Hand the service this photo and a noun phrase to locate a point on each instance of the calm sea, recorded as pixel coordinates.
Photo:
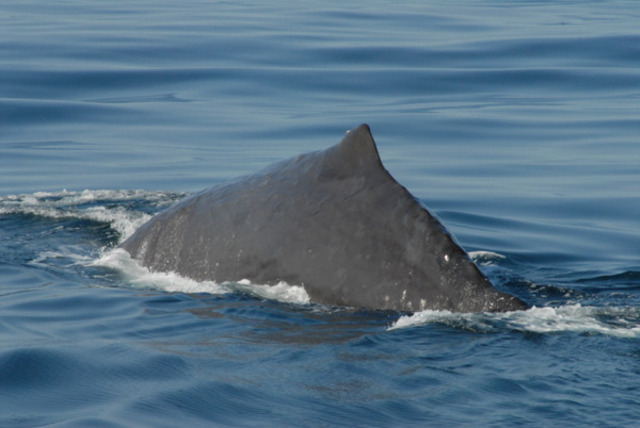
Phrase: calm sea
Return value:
(516, 122)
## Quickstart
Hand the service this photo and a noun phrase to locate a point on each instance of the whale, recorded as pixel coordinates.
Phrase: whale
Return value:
(333, 221)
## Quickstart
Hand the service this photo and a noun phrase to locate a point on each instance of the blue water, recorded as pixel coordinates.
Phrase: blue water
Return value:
(516, 122)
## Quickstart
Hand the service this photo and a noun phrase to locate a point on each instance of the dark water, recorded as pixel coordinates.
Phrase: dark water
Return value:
(517, 123)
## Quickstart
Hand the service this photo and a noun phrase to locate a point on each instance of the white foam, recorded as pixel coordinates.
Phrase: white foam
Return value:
(66, 204)
(141, 277)
(123, 221)
(282, 291)
(575, 318)
(568, 318)
(422, 318)
(485, 257)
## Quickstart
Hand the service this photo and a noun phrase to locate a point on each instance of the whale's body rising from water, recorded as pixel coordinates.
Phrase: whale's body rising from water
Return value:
(334, 221)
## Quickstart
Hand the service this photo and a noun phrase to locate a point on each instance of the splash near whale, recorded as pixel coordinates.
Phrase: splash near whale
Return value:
(333, 221)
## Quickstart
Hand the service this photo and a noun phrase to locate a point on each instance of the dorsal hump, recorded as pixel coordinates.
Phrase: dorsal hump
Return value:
(356, 154)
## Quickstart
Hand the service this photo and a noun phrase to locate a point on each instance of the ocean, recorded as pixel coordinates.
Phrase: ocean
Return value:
(517, 123)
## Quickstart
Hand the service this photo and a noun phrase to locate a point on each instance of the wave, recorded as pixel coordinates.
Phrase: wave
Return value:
(126, 210)
(485, 257)
(106, 206)
(626, 279)
(613, 321)
(140, 277)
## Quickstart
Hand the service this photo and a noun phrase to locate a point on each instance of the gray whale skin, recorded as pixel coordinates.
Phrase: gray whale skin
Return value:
(334, 221)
